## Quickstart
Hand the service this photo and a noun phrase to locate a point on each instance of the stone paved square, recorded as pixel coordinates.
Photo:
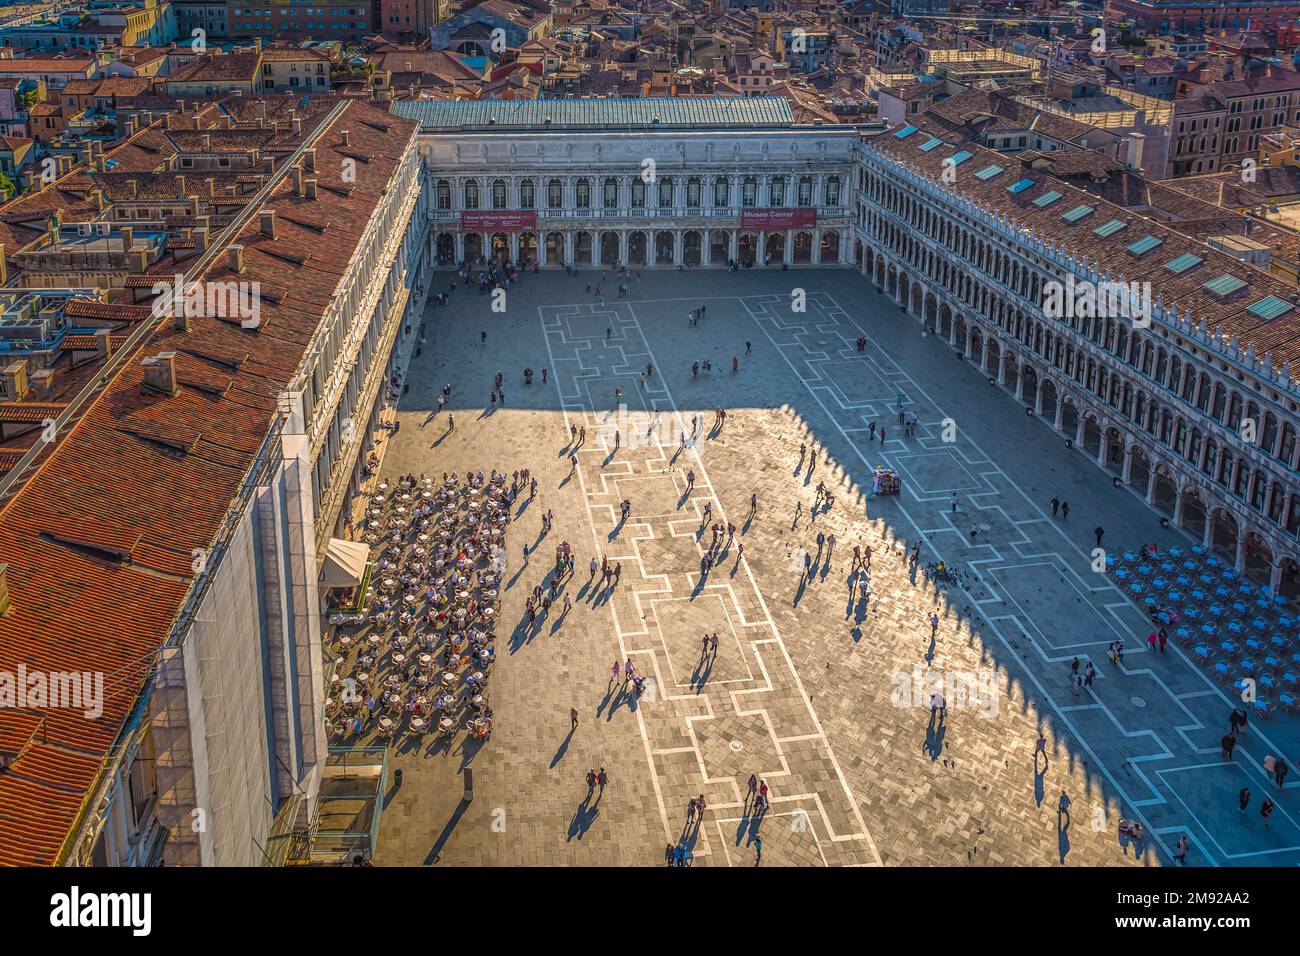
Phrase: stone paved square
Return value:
(820, 687)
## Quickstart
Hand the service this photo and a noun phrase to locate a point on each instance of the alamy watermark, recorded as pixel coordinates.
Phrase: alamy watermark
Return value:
(1106, 299)
(241, 301)
(47, 690)
(959, 690)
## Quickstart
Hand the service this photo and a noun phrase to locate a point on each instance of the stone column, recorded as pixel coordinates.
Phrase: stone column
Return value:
(541, 249)
(1207, 539)
(1102, 446)
(514, 248)
(952, 330)
(1060, 413)
(1127, 473)
(1151, 482)
(678, 247)
(788, 256)
(459, 240)
(733, 243)
(1020, 383)
(706, 246)
(1275, 577)
(1038, 398)
(1078, 430)
(1240, 562)
(760, 257)
(1178, 508)
(568, 248)
(622, 248)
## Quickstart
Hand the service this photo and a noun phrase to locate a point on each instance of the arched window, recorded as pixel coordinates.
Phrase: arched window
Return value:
(471, 194)
(748, 192)
(498, 194)
(693, 193)
(833, 191)
(444, 194)
(527, 194)
(805, 191)
(582, 194)
(609, 193)
(721, 192)
(776, 191)
(554, 194)
(638, 193)
(666, 193)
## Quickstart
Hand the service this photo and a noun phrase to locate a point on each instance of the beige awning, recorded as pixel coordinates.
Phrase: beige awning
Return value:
(345, 563)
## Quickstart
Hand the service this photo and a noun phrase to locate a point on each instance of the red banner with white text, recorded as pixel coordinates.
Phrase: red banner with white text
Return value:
(797, 218)
(498, 221)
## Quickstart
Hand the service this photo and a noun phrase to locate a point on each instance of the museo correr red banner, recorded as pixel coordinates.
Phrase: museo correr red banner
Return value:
(499, 221)
(796, 218)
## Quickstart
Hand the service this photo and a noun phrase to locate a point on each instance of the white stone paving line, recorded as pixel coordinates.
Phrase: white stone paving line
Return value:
(702, 482)
(763, 319)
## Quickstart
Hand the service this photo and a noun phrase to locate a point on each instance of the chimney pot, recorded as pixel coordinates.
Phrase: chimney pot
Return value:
(310, 186)
(103, 344)
(235, 256)
(309, 159)
(346, 138)
(160, 373)
(268, 223)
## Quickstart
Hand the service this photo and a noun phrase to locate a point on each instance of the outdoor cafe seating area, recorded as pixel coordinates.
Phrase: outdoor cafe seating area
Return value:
(1242, 633)
(414, 663)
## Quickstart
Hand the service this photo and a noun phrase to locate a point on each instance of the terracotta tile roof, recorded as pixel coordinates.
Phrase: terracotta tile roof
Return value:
(153, 476)
(28, 413)
(1280, 336)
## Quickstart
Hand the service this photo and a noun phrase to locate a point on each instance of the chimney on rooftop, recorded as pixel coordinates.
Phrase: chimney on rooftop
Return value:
(235, 256)
(128, 238)
(344, 134)
(296, 122)
(180, 318)
(310, 186)
(200, 237)
(14, 377)
(160, 373)
(180, 186)
(5, 603)
(43, 385)
(103, 345)
(268, 223)
(309, 159)
(297, 181)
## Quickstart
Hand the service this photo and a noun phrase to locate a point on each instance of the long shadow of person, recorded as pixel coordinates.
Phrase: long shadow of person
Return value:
(1063, 834)
(562, 749)
(583, 817)
(934, 734)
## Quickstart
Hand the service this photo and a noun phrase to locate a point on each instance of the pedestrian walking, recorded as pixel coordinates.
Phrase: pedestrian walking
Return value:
(1063, 808)
(1099, 531)
(602, 778)
(1089, 674)
(1266, 810)
(573, 718)
(1243, 799)
(753, 789)
(1065, 510)
(934, 623)
(758, 850)
(1056, 506)
(591, 782)
(1228, 744)
(1280, 770)
(749, 346)
(1183, 847)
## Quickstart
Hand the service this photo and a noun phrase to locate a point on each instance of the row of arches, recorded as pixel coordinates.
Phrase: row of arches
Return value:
(642, 247)
(1040, 384)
